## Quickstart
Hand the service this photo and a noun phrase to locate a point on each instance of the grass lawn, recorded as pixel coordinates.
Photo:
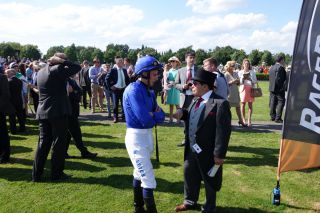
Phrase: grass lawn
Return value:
(104, 184)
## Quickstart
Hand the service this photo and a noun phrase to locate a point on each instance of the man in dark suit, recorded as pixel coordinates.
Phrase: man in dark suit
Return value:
(117, 80)
(53, 111)
(34, 92)
(208, 129)
(74, 130)
(5, 108)
(277, 88)
(85, 83)
(15, 87)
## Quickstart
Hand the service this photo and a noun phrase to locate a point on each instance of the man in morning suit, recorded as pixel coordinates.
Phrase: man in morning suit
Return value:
(117, 80)
(53, 111)
(208, 129)
(277, 88)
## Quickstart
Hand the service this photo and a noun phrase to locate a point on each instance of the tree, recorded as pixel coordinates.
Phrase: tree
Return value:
(133, 55)
(30, 51)
(255, 57)
(97, 53)
(238, 56)
(165, 56)
(150, 51)
(52, 50)
(71, 53)
(181, 53)
(288, 59)
(222, 54)
(85, 54)
(110, 53)
(7, 50)
(201, 55)
(267, 58)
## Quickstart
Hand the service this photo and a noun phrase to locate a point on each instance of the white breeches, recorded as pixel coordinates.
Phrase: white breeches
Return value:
(139, 144)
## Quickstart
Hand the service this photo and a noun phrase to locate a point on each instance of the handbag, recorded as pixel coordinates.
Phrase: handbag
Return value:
(256, 91)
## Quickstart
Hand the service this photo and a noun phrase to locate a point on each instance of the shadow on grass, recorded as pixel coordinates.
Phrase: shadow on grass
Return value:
(125, 182)
(79, 166)
(258, 128)
(69, 165)
(299, 208)
(105, 145)
(114, 161)
(310, 170)
(22, 161)
(93, 120)
(15, 174)
(126, 162)
(266, 156)
(173, 124)
(90, 135)
(16, 137)
(157, 164)
(239, 210)
(20, 149)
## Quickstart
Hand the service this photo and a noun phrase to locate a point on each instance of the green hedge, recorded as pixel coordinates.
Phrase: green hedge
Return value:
(262, 77)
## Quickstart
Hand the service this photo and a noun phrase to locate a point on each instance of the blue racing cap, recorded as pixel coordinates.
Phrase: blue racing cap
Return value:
(146, 64)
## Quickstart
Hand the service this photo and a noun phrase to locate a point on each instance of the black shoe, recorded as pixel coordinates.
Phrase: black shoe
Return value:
(279, 121)
(89, 155)
(36, 179)
(4, 161)
(69, 156)
(181, 144)
(272, 119)
(63, 176)
(139, 209)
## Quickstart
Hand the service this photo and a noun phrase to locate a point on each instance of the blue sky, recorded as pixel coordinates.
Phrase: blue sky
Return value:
(243, 24)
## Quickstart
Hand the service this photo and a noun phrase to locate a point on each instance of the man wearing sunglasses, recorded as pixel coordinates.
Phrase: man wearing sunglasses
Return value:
(208, 129)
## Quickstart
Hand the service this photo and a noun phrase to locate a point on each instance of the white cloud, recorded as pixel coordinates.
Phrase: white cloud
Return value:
(291, 27)
(213, 6)
(124, 24)
(65, 24)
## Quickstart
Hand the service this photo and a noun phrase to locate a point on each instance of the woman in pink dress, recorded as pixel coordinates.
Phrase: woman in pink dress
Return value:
(247, 80)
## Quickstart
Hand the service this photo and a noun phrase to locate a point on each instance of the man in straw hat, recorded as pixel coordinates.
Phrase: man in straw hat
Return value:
(207, 130)
(52, 113)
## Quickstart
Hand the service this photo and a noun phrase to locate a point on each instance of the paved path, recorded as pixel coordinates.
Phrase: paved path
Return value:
(257, 126)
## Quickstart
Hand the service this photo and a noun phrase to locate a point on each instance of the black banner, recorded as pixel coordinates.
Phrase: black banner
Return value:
(302, 115)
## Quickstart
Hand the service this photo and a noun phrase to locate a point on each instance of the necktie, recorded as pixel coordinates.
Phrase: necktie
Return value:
(121, 78)
(198, 103)
(189, 75)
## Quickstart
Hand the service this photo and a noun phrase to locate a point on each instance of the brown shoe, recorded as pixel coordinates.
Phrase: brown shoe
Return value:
(184, 207)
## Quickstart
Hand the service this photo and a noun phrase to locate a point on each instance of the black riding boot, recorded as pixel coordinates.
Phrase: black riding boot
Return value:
(138, 200)
(150, 204)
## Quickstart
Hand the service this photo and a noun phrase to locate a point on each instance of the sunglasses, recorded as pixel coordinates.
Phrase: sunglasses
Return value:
(196, 83)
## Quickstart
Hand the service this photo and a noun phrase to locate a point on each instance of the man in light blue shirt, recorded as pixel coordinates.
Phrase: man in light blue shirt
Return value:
(221, 85)
(94, 73)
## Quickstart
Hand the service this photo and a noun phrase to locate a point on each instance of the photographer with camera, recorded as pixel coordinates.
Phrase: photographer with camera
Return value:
(183, 81)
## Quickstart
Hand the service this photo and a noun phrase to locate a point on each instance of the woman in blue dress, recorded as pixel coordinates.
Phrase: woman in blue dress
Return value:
(173, 94)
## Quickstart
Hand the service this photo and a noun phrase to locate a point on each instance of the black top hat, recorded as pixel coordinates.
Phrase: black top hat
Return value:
(205, 77)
